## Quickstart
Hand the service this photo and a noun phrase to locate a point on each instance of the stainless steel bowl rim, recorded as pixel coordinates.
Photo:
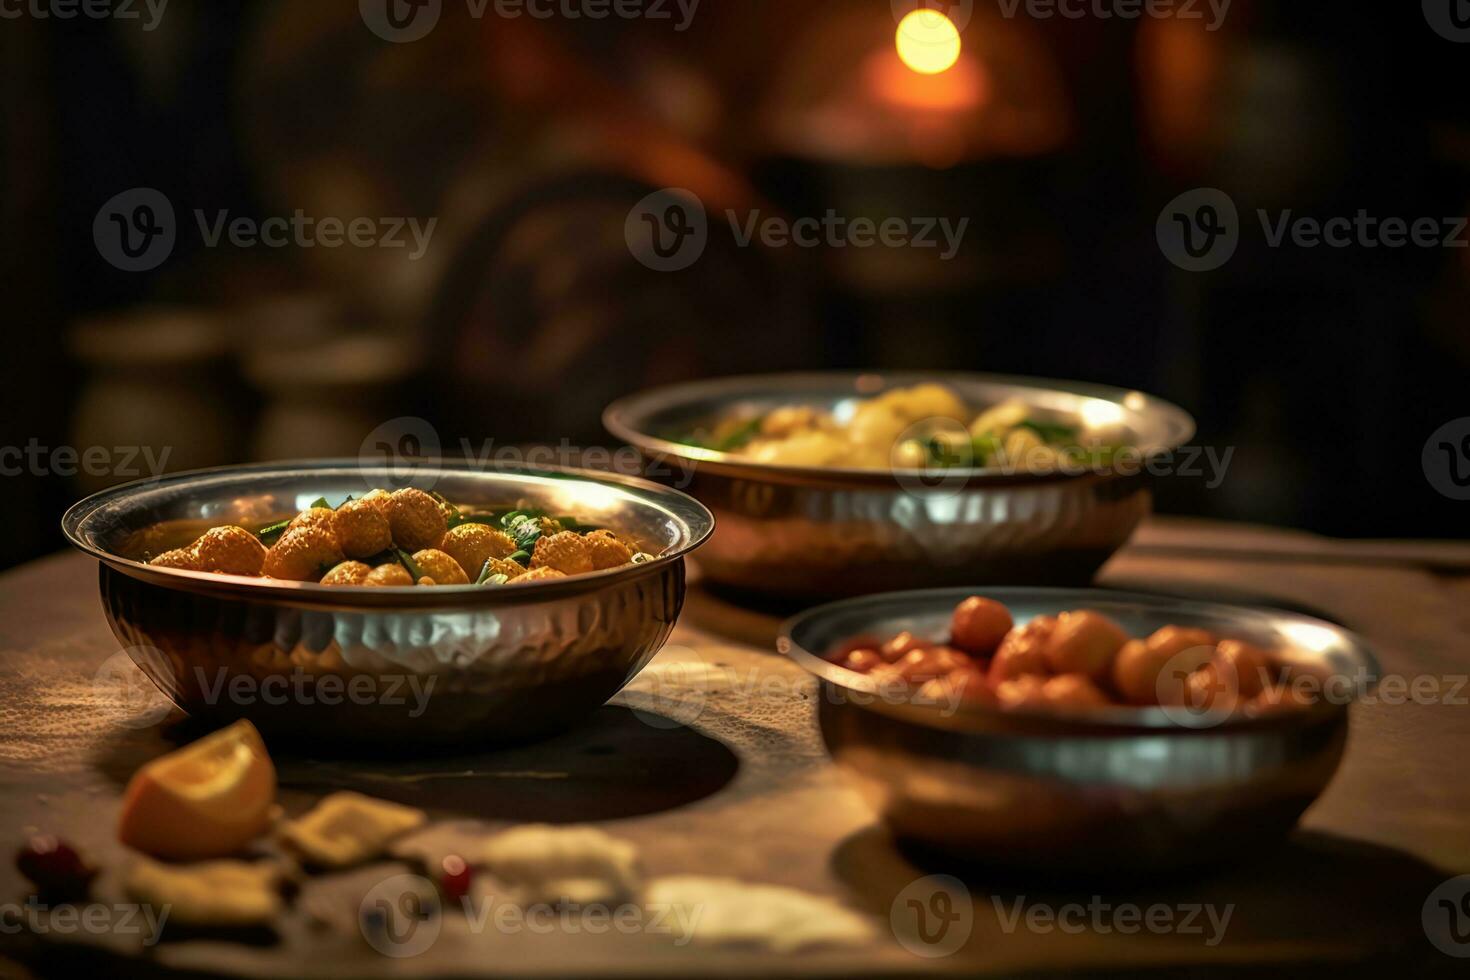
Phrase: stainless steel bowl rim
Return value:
(693, 517)
(1120, 717)
(627, 417)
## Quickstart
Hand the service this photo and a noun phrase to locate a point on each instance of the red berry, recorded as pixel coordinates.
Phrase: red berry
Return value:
(55, 868)
(455, 877)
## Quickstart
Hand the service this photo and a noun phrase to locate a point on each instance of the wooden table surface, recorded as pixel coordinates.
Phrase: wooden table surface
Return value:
(710, 761)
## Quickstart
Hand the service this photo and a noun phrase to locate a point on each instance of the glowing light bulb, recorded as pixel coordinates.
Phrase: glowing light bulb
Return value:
(928, 42)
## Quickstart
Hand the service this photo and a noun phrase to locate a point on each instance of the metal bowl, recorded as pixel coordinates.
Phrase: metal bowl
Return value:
(385, 665)
(1118, 790)
(821, 532)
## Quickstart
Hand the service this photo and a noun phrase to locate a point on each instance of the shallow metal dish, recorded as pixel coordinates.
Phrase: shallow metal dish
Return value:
(821, 532)
(1119, 790)
(392, 665)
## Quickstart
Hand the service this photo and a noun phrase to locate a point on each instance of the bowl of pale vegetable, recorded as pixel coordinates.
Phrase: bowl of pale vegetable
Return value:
(834, 484)
(353, 602)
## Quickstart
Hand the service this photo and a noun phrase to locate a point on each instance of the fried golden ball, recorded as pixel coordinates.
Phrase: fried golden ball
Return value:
(362, 529)
(471, 544)
(606, 550)
(301, 554)
(1084, 642)
(566, 552)
(322, 517)
(540, 575)
(348, 573)
(388, 574)
(229, 551)
(440, 567)
(504, 566)
(417, 520)
(378, 499)
(184, 558)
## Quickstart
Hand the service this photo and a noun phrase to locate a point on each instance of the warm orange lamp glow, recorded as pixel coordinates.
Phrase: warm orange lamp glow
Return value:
(928, 42)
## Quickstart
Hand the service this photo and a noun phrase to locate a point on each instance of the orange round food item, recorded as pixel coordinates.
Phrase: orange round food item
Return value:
(302, 555)
(184, 558)
(1070, 691)
(1022, 692)
(1083, 642)
(606, 550)
(1278, 698)
(862, 660)
(388, 574)
(229, 551)
(362, 529)
(1250, 665)
(1136, 671)
(963, 686)
(322, 517)
(348, 573)
(566, 552)
(979, 624)
(472, 544)
(1212, 689)
(1172, 640)
(539, 575)
(902, 645)
(438, 566)
(1023, 651)
(416, 519)
(1175, 653)
(930, 662)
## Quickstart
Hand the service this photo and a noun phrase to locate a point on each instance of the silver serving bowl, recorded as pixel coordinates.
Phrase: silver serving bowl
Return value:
(402, 665)
(812, 532)
(1116, 790)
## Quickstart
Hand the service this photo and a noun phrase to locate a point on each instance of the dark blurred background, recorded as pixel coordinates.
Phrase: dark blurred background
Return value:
(528, 139)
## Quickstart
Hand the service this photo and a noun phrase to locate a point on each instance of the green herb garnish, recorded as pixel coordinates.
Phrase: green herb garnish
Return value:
(319, 502)
(411, 566)
(491, 578)
(1053, 433)
(271, 534)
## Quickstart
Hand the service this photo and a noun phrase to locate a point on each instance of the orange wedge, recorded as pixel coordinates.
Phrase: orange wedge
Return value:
(208, 799)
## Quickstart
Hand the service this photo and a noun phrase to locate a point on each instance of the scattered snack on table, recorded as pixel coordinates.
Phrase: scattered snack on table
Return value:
(1072, 662)
(212, 894)
(348, 828)
(208, 799)
(547, 864)
(922, 427)
(720, 911)
(408, 537)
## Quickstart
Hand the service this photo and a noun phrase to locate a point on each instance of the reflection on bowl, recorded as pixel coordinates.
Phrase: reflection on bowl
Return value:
(394, 664)
(807, 531)
(1115, 790)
